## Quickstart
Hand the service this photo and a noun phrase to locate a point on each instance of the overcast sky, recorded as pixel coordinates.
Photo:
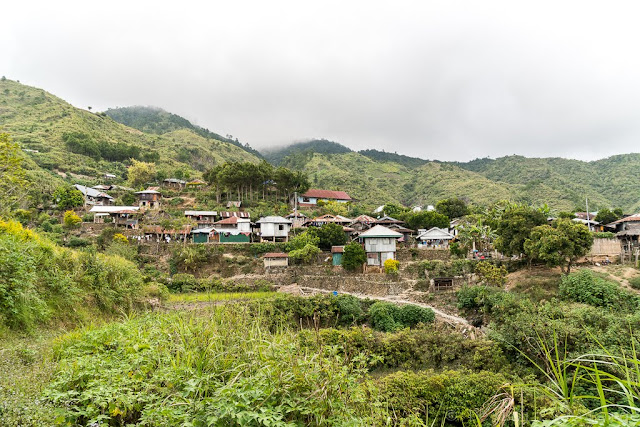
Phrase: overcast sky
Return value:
(448, 80)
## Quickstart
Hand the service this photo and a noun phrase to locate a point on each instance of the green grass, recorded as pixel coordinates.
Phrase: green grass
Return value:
(218, 296)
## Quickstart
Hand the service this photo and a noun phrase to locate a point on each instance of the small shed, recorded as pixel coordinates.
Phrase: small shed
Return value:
(201, 235)
(336, 253)
(275, 259)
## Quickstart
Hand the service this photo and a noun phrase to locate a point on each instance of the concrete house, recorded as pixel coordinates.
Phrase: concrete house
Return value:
(203, 219)
(274, 229)
(311, 198)
(434, 238)
(149, 199)
(379, 244)
(94, 197)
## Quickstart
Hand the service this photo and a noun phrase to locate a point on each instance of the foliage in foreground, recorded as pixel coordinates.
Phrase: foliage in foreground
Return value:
(40, 281)
(223, 368)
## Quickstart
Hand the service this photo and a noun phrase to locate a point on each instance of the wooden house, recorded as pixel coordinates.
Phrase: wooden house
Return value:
(274, 229)
(174, 183)
(237, 214)
(149, 199)
(327, 219)
(297, 219)
(379, 244)
(362, 223)
(203, 219)
(406, 232)
(387, 221)
(124, 216)
(93, 196)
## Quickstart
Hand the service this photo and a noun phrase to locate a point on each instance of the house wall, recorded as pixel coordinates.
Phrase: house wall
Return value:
(238, 238)
(200, 238)
(276, 262)
(272, 230)
(315, 200)
(380, 244)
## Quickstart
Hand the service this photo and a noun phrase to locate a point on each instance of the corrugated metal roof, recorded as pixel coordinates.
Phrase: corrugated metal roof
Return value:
(200, 213)
(327, 194)
(380, 231)
(274, 220)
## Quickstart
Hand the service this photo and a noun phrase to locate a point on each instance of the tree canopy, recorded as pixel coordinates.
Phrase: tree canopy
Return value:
(559, 244)
(453, 208)
(514, 227)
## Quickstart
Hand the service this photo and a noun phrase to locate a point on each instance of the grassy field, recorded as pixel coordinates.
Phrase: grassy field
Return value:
(217, 296)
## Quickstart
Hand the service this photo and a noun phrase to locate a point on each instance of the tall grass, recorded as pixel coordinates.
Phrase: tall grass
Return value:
(218, 296)
(222, 368)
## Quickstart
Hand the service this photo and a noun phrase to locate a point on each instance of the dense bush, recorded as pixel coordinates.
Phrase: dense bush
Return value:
(635, 282)
(450, 395)
(585, 287)
(437, 268)
(391, 266)
(218, 369)
(491, 274)
(40, 281)
(353, 257)
(389, 317)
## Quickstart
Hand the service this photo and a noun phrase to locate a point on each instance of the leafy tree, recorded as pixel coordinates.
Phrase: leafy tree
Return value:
(330, 234)
(491, 274)
(353, 257)
(71, 220)
(13, 185)
(475, 236)
(302, 240)
(426, 219)
(452, 208)
(306, 254)
(140, 173)
(333, 208)
(514, 228)
(607, 216)
(67, 197)
(559, 244)
(393, 210)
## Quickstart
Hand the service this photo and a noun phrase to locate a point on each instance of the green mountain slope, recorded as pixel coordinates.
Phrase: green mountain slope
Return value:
(610, 182)
(158, 121)
(301, 152)
(63, 140)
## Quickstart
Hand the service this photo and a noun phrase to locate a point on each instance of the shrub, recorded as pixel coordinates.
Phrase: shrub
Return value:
(182, 282)
(120, 238)
(306, 255)
(354, 256)
(391, 266)
(77, 242)
(585, 287)
(388, 317)
(491, 274)
(635, 282)
(71, 220)
(410, 315)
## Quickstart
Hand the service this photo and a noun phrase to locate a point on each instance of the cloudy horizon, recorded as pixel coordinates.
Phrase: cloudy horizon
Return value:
(449, 81)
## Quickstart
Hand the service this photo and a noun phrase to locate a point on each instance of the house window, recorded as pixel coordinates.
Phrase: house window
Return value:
(281, 227)
(306, 199)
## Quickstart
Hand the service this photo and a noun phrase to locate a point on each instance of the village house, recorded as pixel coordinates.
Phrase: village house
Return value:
(362, 222)
(297, 219)
(109, 176)
(158, 234)
(126, 216)
(149, 199)
(327, 219)
(379, 244)
(628, 233)
(311, 198)
(228, 230)
(231, 214)
(406, 232)
(434, 238)
(387, 221)
(275, 260)
(274, 229)
(202, 219)
(196, 184)
(174, 183)
(94, 197)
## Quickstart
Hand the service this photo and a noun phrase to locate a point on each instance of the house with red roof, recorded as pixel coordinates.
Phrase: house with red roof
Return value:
(311, 198)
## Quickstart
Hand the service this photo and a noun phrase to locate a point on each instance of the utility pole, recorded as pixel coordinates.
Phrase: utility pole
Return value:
(588, 222)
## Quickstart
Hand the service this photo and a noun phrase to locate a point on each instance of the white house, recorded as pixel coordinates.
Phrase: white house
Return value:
(435, 238)
(313, 196)
(242, 225)
(274, 229)
(379, 244)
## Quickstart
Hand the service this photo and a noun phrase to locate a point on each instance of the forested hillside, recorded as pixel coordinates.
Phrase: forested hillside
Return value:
(62, 141)
(157, 121)
(302, 150)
